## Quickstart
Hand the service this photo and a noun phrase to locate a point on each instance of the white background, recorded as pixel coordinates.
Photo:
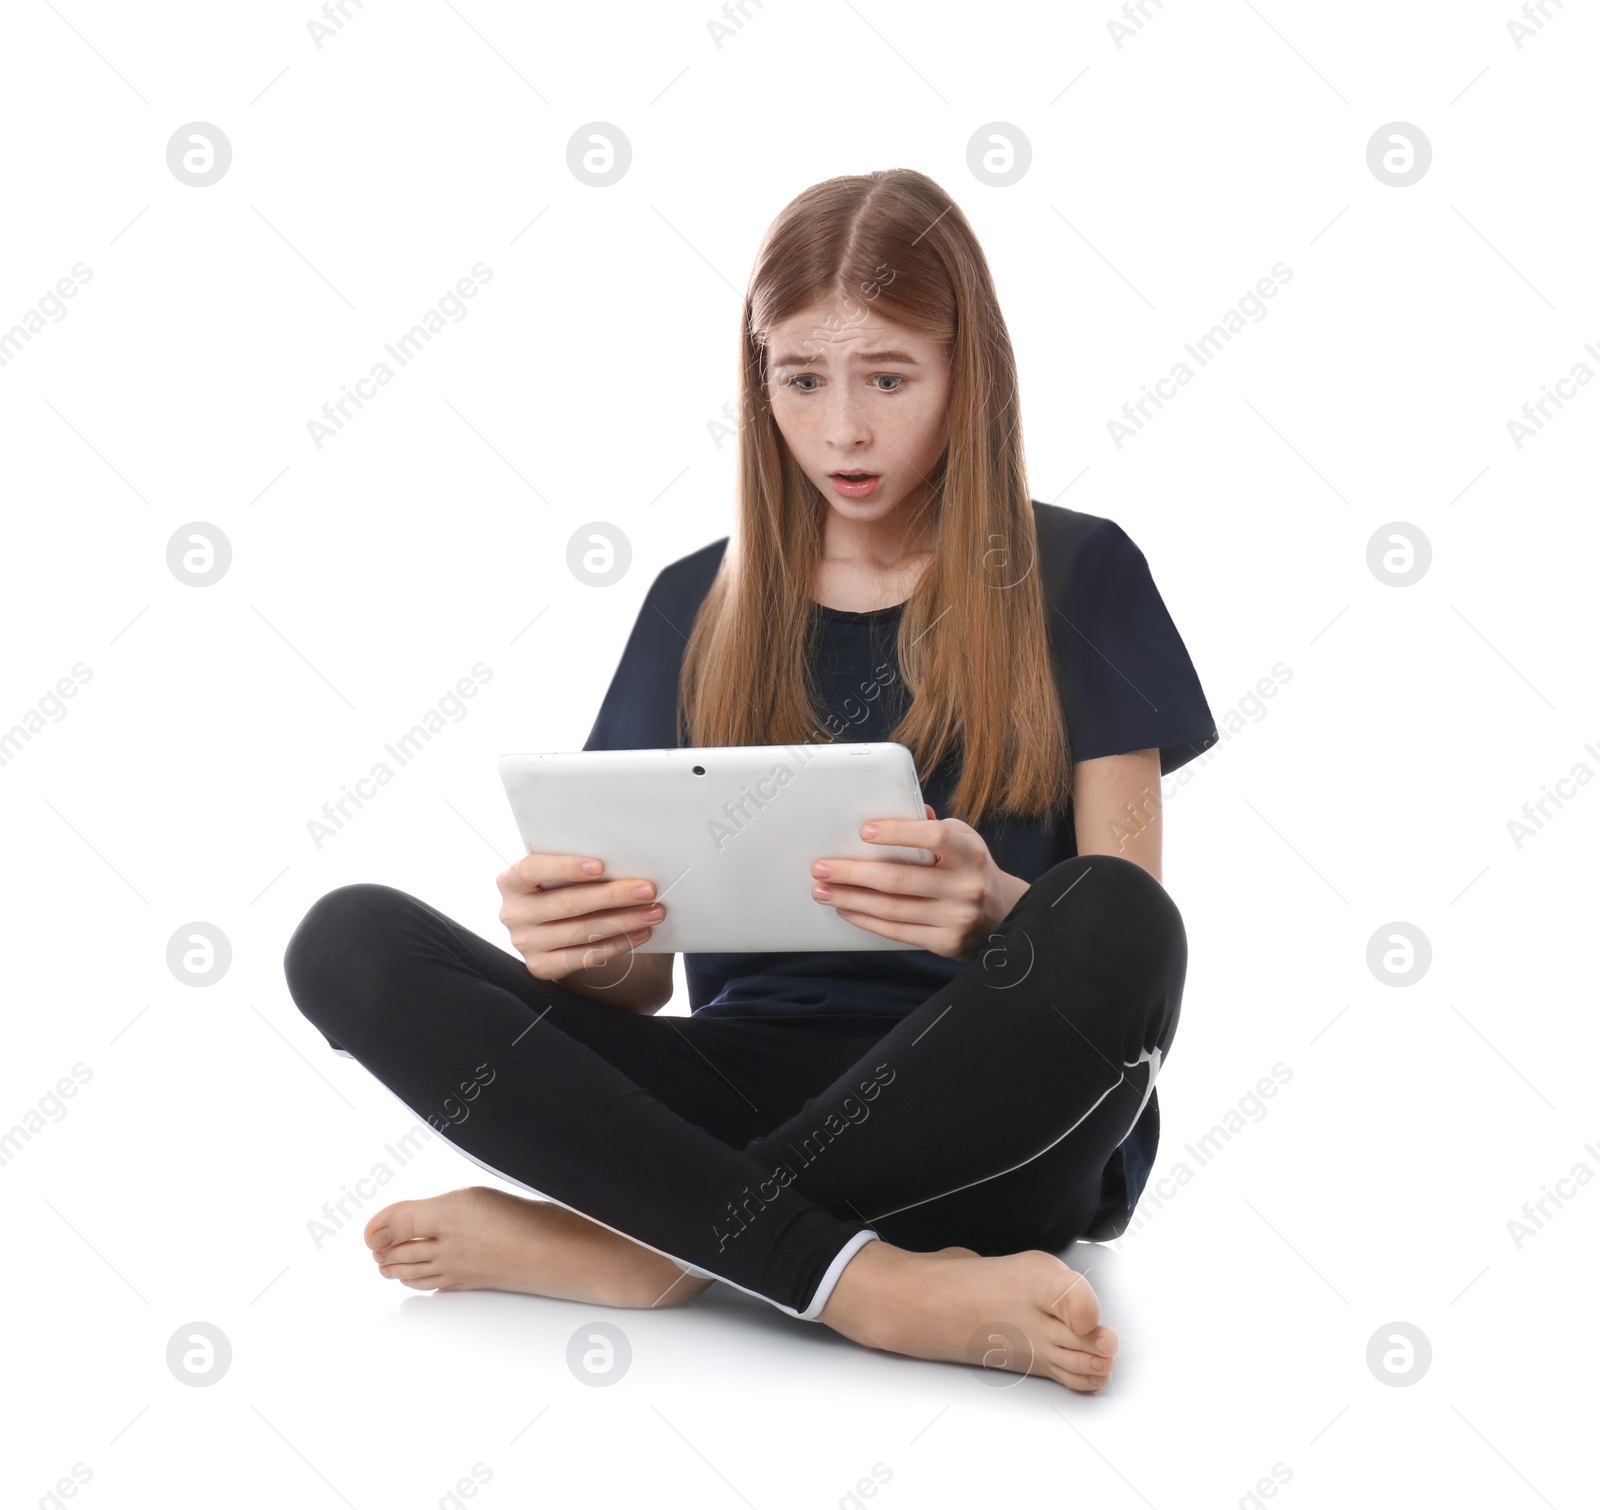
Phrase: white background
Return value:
(1168, 174)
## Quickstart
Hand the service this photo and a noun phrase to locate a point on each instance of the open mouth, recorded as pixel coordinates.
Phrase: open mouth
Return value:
(854, 484)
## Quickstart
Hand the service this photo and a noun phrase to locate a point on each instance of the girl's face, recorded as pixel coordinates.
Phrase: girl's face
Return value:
(856, 394)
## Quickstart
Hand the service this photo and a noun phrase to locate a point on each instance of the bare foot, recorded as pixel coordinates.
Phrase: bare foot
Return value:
(955, 1307)
(483, 1239)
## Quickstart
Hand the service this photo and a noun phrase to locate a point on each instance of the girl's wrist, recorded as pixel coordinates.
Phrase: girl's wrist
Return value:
(1008, 891)
(1013, 891)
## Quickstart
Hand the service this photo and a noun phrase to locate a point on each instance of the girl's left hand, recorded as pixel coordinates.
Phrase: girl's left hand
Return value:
(948, 908)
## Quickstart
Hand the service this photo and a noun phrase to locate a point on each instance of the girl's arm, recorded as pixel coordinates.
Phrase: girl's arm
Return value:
(1117, 811)
(1116, 801)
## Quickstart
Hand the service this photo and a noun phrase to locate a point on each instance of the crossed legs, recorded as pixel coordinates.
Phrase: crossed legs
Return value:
(771, 1154)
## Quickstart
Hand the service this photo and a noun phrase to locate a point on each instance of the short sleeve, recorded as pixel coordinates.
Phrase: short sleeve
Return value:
(639, 708)
(1126, 678)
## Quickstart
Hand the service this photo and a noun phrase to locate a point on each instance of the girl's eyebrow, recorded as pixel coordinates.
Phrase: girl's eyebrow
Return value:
(791, 359)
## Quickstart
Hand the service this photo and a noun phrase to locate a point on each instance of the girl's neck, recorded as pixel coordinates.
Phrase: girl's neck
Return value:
(874, 563)
(906, 535)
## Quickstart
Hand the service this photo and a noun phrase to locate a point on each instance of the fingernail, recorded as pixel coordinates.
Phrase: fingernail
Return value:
(822, 869)
(593, 867)
(643, 890)
(869, 831)
(822, 892)
(382, 1238)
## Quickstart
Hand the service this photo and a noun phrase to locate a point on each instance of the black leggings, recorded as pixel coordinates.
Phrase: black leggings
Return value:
(765, 1153)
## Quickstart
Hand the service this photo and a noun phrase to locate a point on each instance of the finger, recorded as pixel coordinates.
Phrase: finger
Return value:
(930, 912)
(594, 944)
(921, 935)
(918, 831)
(536, 869)
(950, 843)
(897, 877)
(587, 954)
(598, 898)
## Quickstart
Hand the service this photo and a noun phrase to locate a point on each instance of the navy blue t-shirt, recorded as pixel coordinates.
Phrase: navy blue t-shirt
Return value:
(1125, 681)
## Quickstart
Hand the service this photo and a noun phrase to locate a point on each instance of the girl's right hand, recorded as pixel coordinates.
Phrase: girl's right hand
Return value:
(578, 924)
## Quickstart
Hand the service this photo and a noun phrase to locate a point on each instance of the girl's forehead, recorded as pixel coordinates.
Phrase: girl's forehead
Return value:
(836, 331)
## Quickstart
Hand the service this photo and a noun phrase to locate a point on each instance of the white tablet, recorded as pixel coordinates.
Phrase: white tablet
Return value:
(728, 834)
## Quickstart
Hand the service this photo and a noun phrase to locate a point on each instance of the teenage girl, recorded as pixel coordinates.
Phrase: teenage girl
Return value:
(895, 1143)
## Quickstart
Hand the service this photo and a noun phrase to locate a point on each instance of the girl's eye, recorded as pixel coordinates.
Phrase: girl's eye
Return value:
(796, 381)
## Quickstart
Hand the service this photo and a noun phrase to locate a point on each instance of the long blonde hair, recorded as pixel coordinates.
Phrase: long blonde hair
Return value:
(972, 643)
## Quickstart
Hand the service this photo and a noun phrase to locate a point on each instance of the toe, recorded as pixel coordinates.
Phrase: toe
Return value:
(394, 1224)
(1075, 1302)
(417, 1276)
(416, 1251)
(1085, 1384)
(422, 1281)
(1102, 1340)
(1091, 1365)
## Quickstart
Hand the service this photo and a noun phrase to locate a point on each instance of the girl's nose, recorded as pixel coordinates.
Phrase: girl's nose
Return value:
(845, 424)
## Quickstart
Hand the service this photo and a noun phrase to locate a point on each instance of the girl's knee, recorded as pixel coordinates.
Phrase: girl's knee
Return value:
(1107, 879)
(335, 941)
(345, 911)
(1097, 905)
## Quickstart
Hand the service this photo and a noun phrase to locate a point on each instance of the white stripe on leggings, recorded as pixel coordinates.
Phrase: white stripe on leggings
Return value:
(825, 1287)
(818, 1299)
(1147, 1056)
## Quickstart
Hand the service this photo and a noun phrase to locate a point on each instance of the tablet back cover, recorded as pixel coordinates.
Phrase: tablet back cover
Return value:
(727, 833)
